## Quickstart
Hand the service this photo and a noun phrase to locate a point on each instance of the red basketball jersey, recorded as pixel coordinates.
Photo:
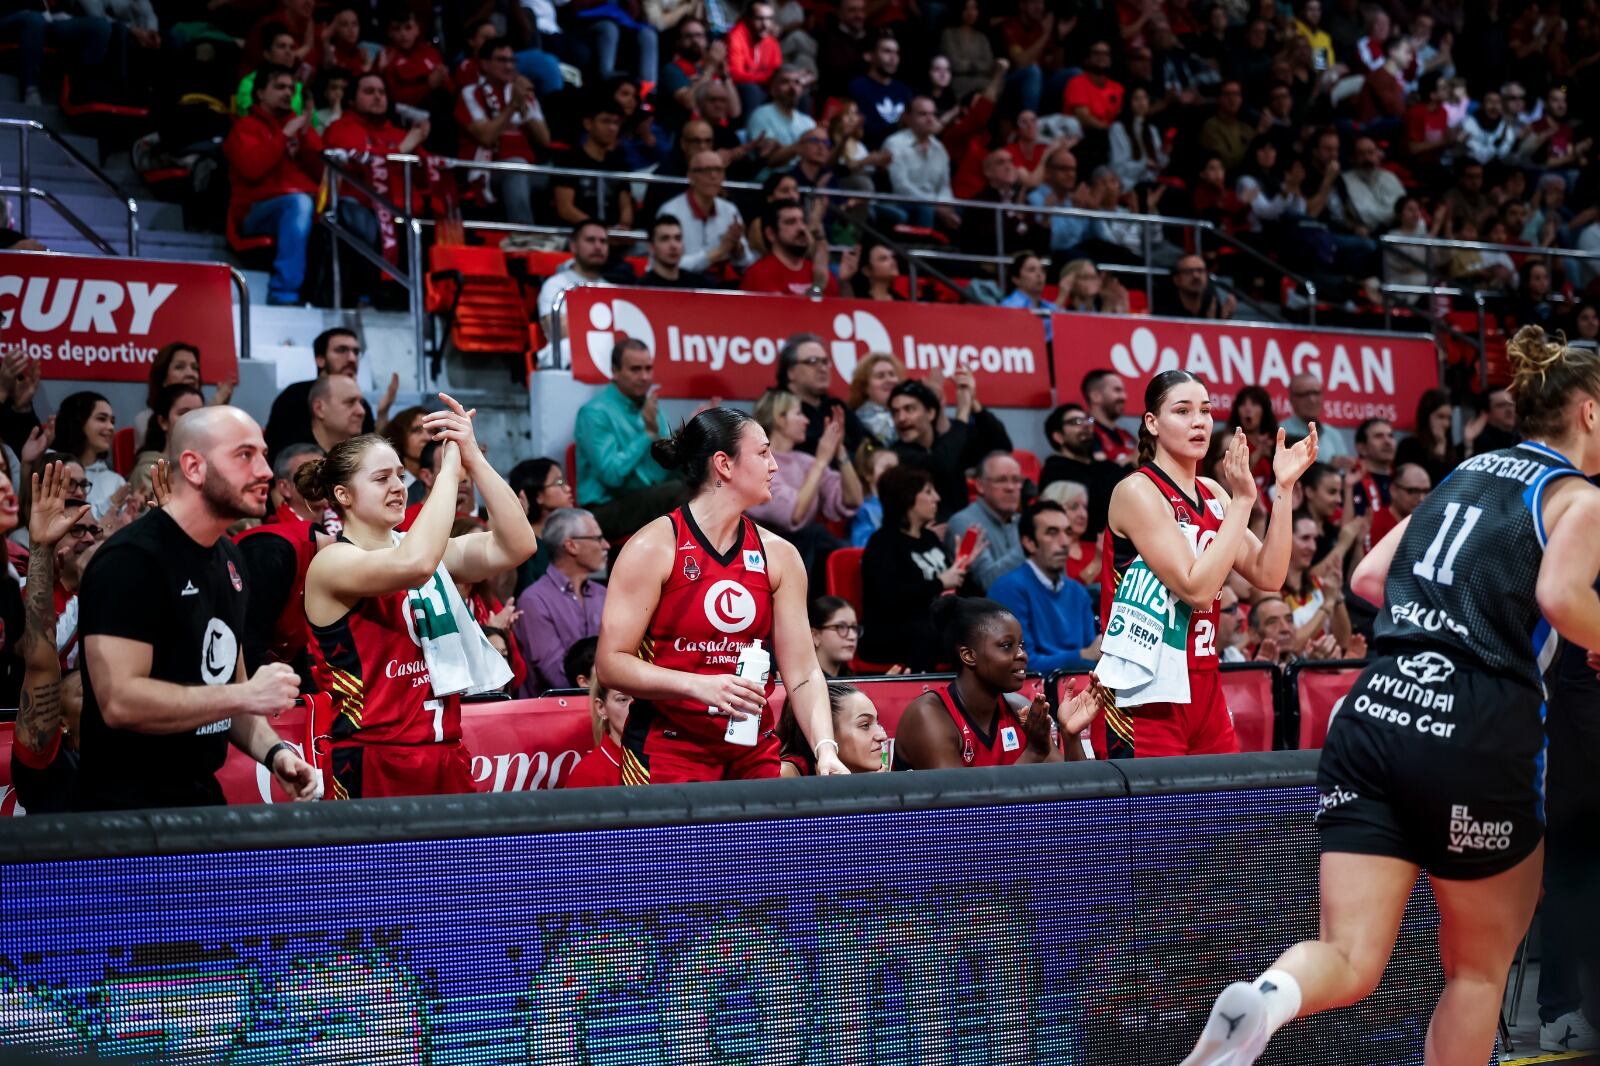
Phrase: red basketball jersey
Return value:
(291, 631)
(1003, 748)
(1199, 521)
(711, 608)
(371, 664)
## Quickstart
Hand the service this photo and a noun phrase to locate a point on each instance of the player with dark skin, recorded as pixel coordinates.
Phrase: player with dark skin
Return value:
(991, 665)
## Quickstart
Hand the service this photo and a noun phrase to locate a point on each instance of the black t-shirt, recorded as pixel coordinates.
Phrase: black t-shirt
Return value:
(13, 619)
(270, 568)
(686, 279)
(47, 791)
(153, 584)
(586, 191)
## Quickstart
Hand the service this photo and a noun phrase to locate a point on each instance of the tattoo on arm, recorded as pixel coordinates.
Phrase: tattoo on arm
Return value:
(39, 710)
(802, 685)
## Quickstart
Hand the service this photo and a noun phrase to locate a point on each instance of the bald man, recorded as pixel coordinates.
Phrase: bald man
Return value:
(337, 410)
(161, 609)
(1334, 446)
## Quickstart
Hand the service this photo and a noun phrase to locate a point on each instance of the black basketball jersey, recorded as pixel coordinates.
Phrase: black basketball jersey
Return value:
(1463, 577)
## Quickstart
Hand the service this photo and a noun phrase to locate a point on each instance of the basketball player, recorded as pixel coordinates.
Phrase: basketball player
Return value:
(978, 719)
(1192, 534)
(389, 734)
(1434, 761)
(689, 592)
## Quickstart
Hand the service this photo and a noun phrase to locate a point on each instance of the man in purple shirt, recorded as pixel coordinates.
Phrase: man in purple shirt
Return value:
(563, 606)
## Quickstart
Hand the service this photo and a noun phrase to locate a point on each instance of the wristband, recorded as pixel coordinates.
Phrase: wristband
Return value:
(817, 751)
(272, 752)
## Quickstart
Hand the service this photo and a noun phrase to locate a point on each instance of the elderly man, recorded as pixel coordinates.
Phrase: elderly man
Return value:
(162, 610)
(1367, 194)
(1021, 229)
(1409, 488)
(337, 352)
(919, 165)
(994, 515)
(564, 605)
(713, 233)
(781, 119)
(617, 478)
(1333, 443)
(1496, 427)
(1061, 188)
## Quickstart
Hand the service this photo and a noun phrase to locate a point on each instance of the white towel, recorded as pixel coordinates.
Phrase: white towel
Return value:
(459, 657)
(1144, 657)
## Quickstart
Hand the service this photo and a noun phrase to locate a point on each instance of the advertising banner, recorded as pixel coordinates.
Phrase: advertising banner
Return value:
(726, 344)
(1363, 375)
(99, 318)
(1320, 692)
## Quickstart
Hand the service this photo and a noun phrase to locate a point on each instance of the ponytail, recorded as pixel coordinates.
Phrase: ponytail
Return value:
(689, 451)
(317, 478)
(1147, 445)
(1545, 374)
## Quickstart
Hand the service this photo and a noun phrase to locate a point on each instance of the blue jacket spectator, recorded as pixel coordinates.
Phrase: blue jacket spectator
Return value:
(1056, 613)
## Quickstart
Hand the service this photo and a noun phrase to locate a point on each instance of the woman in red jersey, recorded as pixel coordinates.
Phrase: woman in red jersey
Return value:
(980, 718)
(689, 595)
(372, 599)
(1191, 534)
(608, 714)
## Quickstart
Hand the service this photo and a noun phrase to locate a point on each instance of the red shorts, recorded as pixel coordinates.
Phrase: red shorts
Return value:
(1200, 727)
(366, 771)
(653, 753)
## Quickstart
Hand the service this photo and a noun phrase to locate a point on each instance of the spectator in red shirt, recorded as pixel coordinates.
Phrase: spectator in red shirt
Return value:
(500, 119)
(341, 44)
(754, 54)
(1095, 100)
(602, 767)
(1033, 45)
(1428, 134)
(365, 128)
(274, 166)
(412, 67)
(1382, 102)
(798, 260)
(1409, 488)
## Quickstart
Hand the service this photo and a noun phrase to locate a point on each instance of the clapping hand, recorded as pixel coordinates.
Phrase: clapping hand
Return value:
(160, 483)
(39, 440)
(1081, 708)
(1236, 475)
(1289, 463)
(50, 519)
(832, 438)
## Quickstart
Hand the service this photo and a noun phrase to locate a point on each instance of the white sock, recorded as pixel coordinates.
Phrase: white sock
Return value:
(1282, 995)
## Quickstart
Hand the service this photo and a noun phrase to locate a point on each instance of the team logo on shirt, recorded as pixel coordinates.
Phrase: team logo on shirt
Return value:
(754, 561)
(691, 569)
(1009, 739)
(1216, 507)
(1428, 668)
(233, 576)
(219, 653)
(729, 607)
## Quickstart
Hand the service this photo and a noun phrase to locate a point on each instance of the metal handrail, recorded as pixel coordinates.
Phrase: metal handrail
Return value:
(1485, 246)
(26, 127)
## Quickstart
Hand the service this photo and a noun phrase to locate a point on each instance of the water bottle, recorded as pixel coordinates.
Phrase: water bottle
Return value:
(755, 664)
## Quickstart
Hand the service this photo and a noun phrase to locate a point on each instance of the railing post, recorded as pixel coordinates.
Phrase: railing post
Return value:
(1149, 278)
(911, 271)
(133, 227)
(1383, 285)
(1311, 297)
(1483, 344)
(25, 208)
(1000, 241)
(243, 286)
(418, 317)
(600, 200)
(333, 240)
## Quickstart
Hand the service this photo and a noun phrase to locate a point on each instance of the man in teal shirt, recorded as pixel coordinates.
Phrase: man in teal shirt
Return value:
(618, 481)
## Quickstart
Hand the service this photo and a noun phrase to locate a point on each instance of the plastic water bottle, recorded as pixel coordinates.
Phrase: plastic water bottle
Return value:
(755, 664)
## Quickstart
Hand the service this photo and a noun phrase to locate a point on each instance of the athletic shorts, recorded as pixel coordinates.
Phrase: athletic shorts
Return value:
(1435, 763)
(367, 771)
(654, 753)
(1200, 727)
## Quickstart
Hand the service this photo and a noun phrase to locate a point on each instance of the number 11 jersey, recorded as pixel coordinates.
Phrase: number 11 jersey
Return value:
(1464, 573)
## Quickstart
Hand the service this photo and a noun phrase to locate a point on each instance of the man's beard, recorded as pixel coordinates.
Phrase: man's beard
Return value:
(1082, 453)
(229, 502)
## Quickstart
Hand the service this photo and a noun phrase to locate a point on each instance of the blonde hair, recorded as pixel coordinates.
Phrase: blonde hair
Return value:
(1545, 373)
(1064, 492)
(867, 457)
(863, 371)
(1074, 268)
(773, 405)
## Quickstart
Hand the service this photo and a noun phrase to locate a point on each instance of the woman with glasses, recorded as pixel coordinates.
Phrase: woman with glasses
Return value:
(541, 486)
(1084, 288)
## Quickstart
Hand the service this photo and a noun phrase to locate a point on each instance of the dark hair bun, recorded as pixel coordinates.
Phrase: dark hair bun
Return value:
(944, 611)
(309, 479)
(665, 452)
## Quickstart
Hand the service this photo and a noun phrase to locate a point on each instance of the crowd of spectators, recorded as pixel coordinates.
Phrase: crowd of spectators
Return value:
(1305, 130)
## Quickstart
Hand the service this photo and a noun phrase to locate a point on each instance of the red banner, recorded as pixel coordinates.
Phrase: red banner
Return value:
(103, 319)
(1363, 375)
(516, 746)
(1320, 694)
(726, 344)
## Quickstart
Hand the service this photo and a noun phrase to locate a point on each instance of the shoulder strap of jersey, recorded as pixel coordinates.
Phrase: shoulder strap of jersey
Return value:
(1533, 496)
(969, 743)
